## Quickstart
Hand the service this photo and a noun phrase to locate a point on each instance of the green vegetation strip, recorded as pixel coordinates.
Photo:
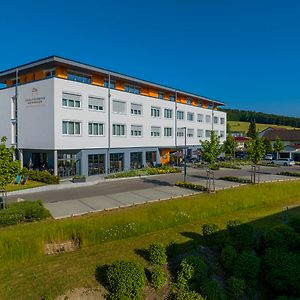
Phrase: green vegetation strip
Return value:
(235, 179)
(292, 174)
(191, 186)
(40, 275)
(18, 187)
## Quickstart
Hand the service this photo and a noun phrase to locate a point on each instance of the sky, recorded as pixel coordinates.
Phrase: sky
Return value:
(244, 53)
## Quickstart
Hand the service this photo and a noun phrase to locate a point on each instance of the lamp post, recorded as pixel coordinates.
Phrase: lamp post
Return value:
(185, 151)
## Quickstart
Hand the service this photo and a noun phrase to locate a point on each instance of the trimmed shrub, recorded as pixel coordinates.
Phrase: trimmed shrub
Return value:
(282, 271)
(235, 179)
(235, 288)
(191, 186)
(188, 295)
(158, 277)
(41, 176)
(125, 280)
(210, 234)
(247, 266)
(228, 258)
(211, 290)
(192, 274)
(27, 211)
(242, 236)
(157, 254)
(282, 236)
(292, 174)
(295, 223)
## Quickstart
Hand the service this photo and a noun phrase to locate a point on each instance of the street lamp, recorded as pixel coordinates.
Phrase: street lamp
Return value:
(185, 151)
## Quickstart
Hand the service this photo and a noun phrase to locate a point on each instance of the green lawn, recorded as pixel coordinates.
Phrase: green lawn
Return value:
(26, 273)
(17, 187)
(243, 126)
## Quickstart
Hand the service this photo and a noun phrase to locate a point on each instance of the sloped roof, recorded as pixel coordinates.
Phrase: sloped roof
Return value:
(284, 135)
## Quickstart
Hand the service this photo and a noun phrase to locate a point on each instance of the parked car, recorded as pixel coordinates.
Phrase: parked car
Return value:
(268, 157)
(283, 162)
(241, 155)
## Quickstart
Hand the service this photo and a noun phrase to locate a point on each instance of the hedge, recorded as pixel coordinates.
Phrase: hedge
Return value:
(235, 179)
(41, 176)
(191, 186)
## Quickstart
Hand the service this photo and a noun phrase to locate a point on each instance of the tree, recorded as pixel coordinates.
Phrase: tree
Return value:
(230, 145)
(252, 130)
(211, 149)
(256, 149)
(278, 146)
(228, 127)
(9, 168)
(269, 148)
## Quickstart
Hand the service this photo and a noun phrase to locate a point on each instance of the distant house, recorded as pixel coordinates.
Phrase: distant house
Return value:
(241, 140)
(237, 133)
(290, 139)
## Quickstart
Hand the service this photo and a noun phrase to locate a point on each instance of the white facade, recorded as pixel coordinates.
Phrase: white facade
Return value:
(54, 117)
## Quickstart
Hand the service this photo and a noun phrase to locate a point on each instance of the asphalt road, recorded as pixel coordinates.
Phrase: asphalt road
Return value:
(122, 186)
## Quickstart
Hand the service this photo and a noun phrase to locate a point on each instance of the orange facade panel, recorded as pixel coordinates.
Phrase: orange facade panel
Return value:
(30, 77)
(195, 102)
(120, 85)
(153, 93)
(97, 80)
(204, 104)
(22, 79)
(9, 82)
(39, 75)
(166, 96)
(61, 73)
(145, 91)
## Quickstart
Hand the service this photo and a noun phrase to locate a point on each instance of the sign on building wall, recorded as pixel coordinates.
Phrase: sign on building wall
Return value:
(35, 99)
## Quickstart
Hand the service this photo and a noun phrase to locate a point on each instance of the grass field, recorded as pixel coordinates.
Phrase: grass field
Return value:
(26, 273)
(243, 126)
(17, 187)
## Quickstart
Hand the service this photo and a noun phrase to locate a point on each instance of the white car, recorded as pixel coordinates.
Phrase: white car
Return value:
(268, 157)
(283, 162)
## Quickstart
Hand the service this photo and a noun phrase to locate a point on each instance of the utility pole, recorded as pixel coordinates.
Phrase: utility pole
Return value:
(185, 150)
(109, 128)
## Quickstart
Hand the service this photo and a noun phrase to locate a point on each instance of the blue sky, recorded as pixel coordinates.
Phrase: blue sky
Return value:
(245, 53)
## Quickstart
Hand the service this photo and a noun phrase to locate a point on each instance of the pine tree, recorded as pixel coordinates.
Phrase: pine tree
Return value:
(252, 130)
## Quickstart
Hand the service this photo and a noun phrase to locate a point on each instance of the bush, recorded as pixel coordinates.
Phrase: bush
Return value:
(209, 232)
(41, 176)
(211, 290)
(187, 295)
(228, 165)
(282, 236)
(235, 288)
(192, 274)
(235, 179)
(282, 271)
(191, 186)
(242, 235)
(158, 277)
(295, 223)
(27, 211)
(126, 280)
(157, 254)
(247, 266)
(293, 174)
(228, 258)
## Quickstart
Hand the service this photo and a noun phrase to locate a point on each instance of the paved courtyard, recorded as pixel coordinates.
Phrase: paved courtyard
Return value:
(76, 199)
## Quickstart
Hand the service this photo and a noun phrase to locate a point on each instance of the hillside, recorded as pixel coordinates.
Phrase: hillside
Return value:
(243, 126)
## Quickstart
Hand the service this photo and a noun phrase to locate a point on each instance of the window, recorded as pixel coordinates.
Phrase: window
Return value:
(190, 132)
(79, 77)
(96, 164)
(136, 130)
(155, 112)
(180, 115)
(71, 128)
(172, 98)
(50, 74)
(118, 130)
(199, 103)
(116, 162)
(161, 95)
(190, 116)
(167, 131)
(112, 84)
(71, 100)
(207, 133)
(200, 118)
(222, 134)
(155, 131)
(207, 118)
(216, 132)
(136, 109)
(222, 121)
(168, 113)
(119, 107)
(96, 129)
(96, 104)
(136, 160)
(188, 101)
(200, 133)
(216, 120)
(132, 89)
(180, 132)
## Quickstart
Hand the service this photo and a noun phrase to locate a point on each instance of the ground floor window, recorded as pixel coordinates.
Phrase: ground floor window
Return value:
(150, 157)
(116, 162)
(96, 164)
(66, 164)
(136, 160)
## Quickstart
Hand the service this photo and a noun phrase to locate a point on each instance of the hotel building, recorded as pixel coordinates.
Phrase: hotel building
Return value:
(75, 118)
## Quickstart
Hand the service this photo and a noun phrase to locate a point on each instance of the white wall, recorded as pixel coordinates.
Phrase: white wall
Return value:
(5, 114)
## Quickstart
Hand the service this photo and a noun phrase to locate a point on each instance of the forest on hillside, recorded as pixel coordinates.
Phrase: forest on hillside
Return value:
(259, 117)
